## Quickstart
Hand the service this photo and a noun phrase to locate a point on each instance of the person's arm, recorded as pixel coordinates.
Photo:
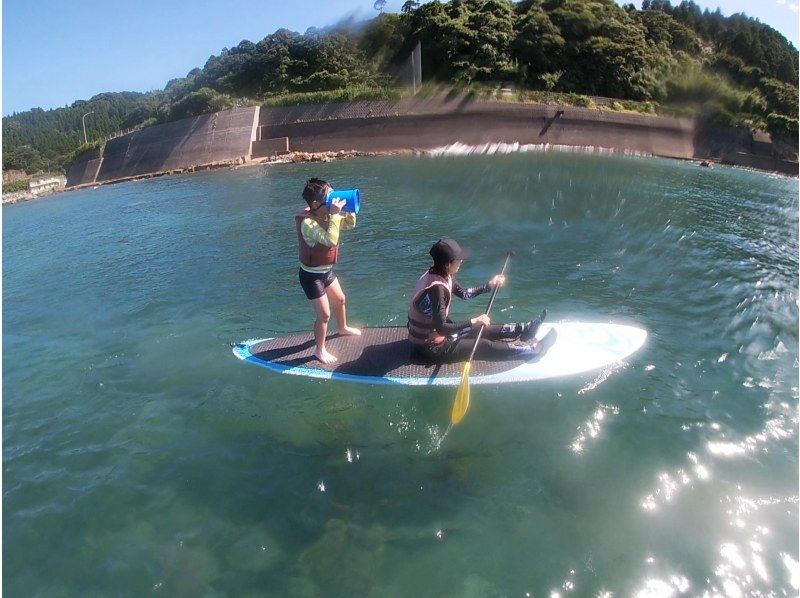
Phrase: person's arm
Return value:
(439, 310)
(469, 292)
(313, 233)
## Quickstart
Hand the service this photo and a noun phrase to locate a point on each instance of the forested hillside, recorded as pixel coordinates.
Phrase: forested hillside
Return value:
(679, 59)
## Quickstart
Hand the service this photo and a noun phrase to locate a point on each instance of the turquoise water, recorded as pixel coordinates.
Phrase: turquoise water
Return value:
(139, 457)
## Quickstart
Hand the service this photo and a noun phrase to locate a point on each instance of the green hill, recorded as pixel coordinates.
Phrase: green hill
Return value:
(679, 59)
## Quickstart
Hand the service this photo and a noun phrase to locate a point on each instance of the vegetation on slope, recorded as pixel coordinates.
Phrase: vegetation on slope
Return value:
(673, 59)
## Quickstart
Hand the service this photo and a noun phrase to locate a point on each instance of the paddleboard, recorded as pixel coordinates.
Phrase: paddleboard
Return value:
(383, 356)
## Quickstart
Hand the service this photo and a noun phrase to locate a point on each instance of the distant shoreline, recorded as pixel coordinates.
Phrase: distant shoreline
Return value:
(326, 132)
(331, 156)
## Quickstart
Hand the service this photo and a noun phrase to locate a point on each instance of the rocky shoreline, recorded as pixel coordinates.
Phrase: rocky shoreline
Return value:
(289, 158)
(299, 157)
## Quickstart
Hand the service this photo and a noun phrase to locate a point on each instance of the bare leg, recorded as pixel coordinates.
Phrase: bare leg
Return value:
(337, 299)
(323, 311)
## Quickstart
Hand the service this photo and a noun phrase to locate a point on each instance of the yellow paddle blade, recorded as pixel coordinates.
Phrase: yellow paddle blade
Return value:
(462, 397)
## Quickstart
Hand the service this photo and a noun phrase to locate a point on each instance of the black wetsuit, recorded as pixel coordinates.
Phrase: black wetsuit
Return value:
(460, 337)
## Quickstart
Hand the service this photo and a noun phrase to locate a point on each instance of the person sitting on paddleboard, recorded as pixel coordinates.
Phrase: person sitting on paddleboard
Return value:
(436, 338)
(318, 229)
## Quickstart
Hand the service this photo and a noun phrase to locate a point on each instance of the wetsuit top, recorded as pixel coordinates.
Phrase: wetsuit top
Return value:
(433, 303)
(314, 233)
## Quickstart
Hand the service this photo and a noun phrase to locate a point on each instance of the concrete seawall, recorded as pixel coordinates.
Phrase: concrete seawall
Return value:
(83, 171)
(479, 123)
(207, 139)
(204, 139)
(424, 124)
(244, 134)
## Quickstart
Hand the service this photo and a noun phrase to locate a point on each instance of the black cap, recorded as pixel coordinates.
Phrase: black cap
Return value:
(446, 250)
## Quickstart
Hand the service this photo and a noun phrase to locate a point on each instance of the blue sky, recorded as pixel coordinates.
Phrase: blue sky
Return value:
(57, 52)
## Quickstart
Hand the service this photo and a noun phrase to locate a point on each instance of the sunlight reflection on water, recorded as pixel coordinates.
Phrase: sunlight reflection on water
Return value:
(149, 460)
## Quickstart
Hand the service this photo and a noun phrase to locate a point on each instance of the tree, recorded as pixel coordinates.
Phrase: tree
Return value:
(202, 101)
(662, 29)
(781, 98)
(387, 40)
(538, 45)
(777, 124)
(493, 24)
(583, 46)
(446, 41)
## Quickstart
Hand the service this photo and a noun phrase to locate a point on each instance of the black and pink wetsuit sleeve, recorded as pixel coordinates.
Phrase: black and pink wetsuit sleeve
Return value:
(433, 303)
(469, 292)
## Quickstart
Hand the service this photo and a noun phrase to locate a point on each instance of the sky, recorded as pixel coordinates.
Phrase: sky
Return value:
(57, 52)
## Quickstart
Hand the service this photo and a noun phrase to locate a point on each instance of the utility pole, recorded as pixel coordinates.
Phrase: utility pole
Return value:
(83, 120)
(416, 66)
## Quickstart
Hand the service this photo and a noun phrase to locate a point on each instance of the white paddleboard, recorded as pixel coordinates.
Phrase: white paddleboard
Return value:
(382, 356)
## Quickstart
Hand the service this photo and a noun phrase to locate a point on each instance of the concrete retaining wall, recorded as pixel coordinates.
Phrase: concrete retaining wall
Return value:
(244, 133)
(83, 172)
(190, 142)
(346, 127)
(361, 109)
(264, 148)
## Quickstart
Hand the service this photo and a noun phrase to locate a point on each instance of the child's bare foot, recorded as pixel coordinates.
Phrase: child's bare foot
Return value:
(349, 331)
(324, 356)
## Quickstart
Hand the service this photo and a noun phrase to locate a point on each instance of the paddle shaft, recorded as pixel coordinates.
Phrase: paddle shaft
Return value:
(489, 308)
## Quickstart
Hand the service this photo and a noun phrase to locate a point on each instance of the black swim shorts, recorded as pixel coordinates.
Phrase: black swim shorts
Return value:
(314, 284)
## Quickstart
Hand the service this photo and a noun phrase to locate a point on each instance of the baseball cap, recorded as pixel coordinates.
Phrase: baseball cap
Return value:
(447, 250)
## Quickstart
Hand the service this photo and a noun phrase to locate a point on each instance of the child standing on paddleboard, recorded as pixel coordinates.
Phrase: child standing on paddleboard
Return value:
(318, 228)
(435, 338)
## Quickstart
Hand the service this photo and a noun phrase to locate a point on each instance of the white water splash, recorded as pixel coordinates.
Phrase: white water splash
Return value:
(436, 438)
(605, 373)
(351, 455)
(462, 149)
(773, 354)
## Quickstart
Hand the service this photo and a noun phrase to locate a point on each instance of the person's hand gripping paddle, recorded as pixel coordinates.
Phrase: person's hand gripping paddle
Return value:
(462, 396)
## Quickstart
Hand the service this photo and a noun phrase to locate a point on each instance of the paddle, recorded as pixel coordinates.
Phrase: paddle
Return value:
(462, 396)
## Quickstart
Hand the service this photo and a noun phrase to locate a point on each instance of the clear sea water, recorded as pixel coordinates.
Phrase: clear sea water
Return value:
(141, 458)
